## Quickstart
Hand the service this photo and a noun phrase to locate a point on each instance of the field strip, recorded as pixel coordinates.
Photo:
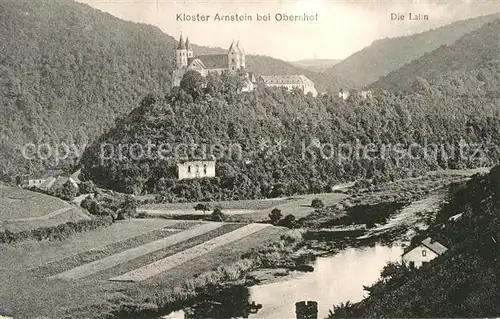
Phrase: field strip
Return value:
(176, 226)
(175, 260)
(160, 254)
(124, 256)
(64, 263)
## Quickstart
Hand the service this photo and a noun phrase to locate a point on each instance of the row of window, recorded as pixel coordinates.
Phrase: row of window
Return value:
(198, 169)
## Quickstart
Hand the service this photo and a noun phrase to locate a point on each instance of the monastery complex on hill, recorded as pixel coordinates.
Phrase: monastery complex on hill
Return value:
(233, 61)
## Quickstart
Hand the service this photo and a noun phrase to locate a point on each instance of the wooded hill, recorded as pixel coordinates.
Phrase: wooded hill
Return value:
(318, 65)
(274, 126)
(386, 55)
(68, 70)
(464, 282)
(475, 50)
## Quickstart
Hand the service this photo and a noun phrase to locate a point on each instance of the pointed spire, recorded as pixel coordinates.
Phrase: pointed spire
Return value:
(240, 48)
(234, 46)
(188, 45)
(181, 45)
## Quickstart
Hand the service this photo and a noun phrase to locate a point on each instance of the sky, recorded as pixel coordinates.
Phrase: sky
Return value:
(342, 28)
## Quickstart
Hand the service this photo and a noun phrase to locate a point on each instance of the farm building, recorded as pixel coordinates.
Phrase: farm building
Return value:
(196, 169)
(35, 180)
(424, 252)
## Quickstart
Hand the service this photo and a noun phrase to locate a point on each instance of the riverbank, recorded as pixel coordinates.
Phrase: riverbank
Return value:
(360, 221)
(327, 232)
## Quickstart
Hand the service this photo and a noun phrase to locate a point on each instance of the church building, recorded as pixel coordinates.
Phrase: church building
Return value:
(233, 61)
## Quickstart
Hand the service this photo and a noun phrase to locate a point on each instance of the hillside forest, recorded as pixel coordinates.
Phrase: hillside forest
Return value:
(274, 127)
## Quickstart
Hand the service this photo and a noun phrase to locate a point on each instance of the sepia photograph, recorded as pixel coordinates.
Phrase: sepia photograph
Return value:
(261, 159)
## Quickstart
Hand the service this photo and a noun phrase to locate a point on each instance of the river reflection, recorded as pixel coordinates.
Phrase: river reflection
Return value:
(335, 279)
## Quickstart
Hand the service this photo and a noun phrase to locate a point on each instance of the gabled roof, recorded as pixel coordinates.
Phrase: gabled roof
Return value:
(196, 162)
(55, 183)
(194, 63)
(47, 184)
(214, 61)
(251, 76)
(285, 79)
(76, 175)
(45, 174)
(456, 216)
(430, 243)
(233, 46)
(433, 245)
(240, 47)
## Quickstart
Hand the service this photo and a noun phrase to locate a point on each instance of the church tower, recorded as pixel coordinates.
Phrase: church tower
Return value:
(234, 58)
(242, 55)
(189, 48)
(181, 55)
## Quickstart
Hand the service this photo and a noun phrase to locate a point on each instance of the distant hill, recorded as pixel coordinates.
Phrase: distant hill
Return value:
(67, 71)
(473, 51)
(317, 65)
(264, 65)
(386, 55)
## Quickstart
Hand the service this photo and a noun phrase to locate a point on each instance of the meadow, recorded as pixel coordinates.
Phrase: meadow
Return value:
(29, 270)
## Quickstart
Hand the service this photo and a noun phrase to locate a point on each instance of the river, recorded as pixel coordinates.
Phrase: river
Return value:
(335, 279)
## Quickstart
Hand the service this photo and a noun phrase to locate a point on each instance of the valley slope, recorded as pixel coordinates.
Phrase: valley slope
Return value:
(386, 55)
(477, 50)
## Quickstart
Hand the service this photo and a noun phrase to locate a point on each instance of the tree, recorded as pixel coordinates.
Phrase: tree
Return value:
(218, 215)
(420, 85)
(317, 203)
(203, 207)
(128, 208)
(68, 191)
(288, 221)
(192, 83)
(344, 310)
(275, 216)
(87, 187)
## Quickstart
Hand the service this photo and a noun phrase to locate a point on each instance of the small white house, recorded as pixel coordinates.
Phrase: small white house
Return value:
(196, 169)
(424, 252)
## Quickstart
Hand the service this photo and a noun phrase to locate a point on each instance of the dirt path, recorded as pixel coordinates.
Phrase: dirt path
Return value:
(44, 217)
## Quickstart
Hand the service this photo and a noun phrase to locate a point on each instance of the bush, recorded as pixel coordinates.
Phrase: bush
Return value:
(128, 207)
(292, 236)
(68, 191)
(205, 207)
(275, 216)
(218, 215)
(87, 187)
(59, 232)
(317, 203)
(288, 221)
(93, 207)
